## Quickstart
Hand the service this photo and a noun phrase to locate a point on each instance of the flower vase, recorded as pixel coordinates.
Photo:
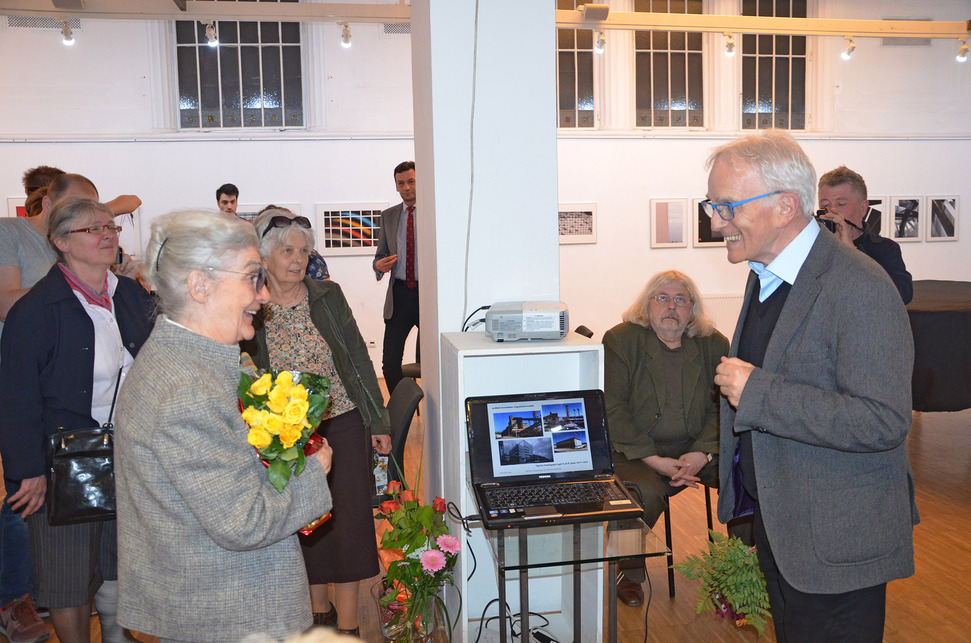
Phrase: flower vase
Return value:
(429, 627)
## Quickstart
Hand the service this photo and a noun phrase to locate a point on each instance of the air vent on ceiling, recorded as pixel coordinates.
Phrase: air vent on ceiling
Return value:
(397, 28)
(40, 22)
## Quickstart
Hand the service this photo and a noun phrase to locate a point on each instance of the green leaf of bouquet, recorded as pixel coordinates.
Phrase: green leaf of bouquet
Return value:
(245, 381)
(425, 516)
(301, 463)
(290, 454)
(279, 474)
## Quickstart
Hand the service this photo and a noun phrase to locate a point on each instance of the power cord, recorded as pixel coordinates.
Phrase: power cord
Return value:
(456, 515)
(465, 325)
(485, 621)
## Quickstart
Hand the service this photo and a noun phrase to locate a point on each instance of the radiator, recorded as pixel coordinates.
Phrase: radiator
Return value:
(724, 310)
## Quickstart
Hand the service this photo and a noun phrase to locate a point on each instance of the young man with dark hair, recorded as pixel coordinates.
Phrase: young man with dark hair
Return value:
(227, 198)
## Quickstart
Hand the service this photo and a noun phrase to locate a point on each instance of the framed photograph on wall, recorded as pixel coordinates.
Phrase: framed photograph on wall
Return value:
(348, 229)
(942, 219)
(15, 206)
(250, 211)
(876, 218)
(669, 223)
(577, 223)
(905, 224)
(705, 237)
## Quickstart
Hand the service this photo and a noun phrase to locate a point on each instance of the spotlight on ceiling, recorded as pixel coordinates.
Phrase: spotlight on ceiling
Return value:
(68, 35)
(729, 44)
(962, 56)
(346, 36)
(211, 34)
(600, 43)
(850, 47)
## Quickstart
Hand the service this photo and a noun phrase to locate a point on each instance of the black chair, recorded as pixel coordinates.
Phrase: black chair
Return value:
(401, 410)
(667, 535)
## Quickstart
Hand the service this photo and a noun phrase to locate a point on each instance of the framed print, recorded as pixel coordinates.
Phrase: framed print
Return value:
(705, 237)
(875, 220)
(15, 206)
(942, 219)
(669, 223)
(348, 229)
(577, 223)
(905, 224)
(249, 211)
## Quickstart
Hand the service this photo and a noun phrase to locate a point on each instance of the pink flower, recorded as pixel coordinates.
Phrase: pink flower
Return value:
(432, 561)
(448, 544)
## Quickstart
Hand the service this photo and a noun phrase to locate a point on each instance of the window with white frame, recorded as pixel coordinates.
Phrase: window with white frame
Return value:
(252, 78)
(574, 78)
(774, 70)
(668, 71)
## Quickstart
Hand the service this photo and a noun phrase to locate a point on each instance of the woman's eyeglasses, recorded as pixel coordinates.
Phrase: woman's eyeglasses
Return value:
(280, 221)
(98, 229)
(258, 278)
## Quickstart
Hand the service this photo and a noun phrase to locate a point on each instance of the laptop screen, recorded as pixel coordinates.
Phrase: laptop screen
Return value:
(538, 436)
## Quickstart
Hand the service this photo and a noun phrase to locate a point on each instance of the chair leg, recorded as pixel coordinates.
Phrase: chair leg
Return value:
(667, 542)
(708, 511)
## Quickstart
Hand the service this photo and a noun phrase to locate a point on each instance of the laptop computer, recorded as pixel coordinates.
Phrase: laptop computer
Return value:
(544, 459)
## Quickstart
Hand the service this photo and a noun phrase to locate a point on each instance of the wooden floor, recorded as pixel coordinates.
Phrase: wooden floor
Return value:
(933, 605)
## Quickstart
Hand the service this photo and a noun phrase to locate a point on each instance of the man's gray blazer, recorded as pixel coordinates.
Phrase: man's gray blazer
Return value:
(829, 412)
(387, 246)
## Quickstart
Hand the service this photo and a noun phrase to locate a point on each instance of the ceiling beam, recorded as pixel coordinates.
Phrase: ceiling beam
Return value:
(180, 4)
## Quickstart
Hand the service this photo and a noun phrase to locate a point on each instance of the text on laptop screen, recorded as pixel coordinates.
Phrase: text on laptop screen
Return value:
(538, 437)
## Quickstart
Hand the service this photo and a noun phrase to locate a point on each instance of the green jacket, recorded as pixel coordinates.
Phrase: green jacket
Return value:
(331, 314)
(634, 388)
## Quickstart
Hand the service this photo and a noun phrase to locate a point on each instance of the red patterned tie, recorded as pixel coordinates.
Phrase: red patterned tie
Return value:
(410, 279)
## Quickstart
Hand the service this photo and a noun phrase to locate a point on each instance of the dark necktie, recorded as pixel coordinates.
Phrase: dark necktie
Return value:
(410, 279)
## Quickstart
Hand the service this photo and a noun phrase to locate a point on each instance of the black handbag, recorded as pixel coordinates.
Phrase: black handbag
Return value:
(81, 473)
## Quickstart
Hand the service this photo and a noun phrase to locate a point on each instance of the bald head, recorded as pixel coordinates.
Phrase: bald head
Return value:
(69, 186)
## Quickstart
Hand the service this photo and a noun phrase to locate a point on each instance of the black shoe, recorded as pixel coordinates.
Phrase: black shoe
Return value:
(629, 593)
(326, 619)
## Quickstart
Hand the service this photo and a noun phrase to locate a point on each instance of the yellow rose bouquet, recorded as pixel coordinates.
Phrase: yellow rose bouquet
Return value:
(282, 410)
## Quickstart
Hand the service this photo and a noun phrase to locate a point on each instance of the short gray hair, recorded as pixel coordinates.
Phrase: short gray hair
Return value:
(779, 159)
(700, 324)
(191, 240)
(65, 215)
(273, 237)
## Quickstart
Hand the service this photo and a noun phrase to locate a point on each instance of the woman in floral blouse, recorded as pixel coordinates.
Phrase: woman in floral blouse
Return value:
(308, 326)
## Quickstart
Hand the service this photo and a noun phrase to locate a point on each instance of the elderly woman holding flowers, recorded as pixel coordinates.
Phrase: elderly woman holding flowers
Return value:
(308, 326)
(208, 549)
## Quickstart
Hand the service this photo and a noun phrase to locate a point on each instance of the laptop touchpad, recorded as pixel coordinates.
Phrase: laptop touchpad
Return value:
(546, 511)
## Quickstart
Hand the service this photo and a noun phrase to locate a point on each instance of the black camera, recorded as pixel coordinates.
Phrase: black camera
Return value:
(119, 256)
(830, 225)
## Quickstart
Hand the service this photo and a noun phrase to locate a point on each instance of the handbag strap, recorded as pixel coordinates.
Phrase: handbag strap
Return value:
(114, 397)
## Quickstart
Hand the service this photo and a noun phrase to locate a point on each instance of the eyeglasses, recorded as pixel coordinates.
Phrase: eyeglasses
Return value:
(727, 210)
(679, 300)
(98, 229)
(257, 278)
(280, 221)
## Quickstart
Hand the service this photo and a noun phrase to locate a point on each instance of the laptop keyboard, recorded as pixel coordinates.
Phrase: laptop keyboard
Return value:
(554, 494)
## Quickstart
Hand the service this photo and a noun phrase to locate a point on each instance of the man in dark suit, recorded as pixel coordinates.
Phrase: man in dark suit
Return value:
(817, 401)
(397, 254)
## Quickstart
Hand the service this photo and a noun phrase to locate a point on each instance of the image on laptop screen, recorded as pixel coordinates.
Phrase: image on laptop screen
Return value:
(538, 437)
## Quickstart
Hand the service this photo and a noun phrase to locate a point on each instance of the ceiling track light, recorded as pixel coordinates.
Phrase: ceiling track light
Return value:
(346, 36)
(600, 42)
(850, 48)
(68, 35)
(962, 56)
(729, 44)
(211, 34)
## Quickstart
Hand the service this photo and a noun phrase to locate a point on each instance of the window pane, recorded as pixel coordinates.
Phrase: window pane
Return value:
(660, 40)
(782, 45)
(229, 70)
(781, 93)
(565, 38)
(248, 32)
(642, 98)
(798, 45)
(584, 39)
(748, 44)
(292, 87)
(227, 33)
(188, 87)
(773, 70)
(184, 32)
(209, 87)
(290, 32)
(269, 32)
(585, 89)
(661, 102)
(272, 87)
(677, 40)
(642, 40)
(694, 41)
(749, 107)
(798, 120)
(252, 98)
(696, 102)
(765, 92)
(567, 73)
(679, 89)
(765, 45)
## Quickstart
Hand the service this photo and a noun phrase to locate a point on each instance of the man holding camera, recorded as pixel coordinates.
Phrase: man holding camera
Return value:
(843, 203)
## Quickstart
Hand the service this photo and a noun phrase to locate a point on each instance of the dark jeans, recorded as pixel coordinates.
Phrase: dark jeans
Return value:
(404, 317)
(16, 562)
(856, 616)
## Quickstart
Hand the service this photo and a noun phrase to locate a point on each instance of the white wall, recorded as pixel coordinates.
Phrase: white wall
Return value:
(901, 117)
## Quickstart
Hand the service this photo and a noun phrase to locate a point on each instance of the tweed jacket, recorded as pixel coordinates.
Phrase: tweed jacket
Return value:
(207, 548)
(634, 383)
(48, 365)
(829, 412)
(332, 316)
(387, 246)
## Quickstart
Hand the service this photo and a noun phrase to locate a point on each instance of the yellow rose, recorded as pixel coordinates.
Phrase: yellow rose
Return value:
(272, 423)
(284, 379)
(262, 385)
(289, 435)
(252, 416)
(296, 411)
(259, 438)
(298, 392)
(277, 400)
